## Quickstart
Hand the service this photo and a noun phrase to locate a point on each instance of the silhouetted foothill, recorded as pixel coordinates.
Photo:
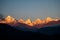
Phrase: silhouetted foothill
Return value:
(13, 32)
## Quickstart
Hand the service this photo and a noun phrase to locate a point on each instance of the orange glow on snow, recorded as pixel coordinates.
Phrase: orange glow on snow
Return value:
(37, 21)
(48, 19)
(10, 19)
(28, 21)
(21, 20)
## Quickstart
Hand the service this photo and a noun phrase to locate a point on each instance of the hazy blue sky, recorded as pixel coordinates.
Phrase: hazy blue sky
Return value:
(30, 8)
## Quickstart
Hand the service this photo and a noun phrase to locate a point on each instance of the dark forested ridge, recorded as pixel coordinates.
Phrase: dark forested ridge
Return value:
(13, 32)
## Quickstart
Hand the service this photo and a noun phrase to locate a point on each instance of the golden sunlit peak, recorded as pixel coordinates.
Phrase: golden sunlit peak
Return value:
(10, 19)
(38, 21)
(8, 16)
(21, 21)
(48, 19)
(56, 19)
(28, 21)
(51, 19)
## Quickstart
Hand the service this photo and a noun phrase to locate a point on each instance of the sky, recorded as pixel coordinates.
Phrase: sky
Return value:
(30, 8)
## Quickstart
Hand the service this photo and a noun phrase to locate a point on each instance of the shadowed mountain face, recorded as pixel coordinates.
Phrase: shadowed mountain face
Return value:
(9, 31)
(43, 33)
(50, 30)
